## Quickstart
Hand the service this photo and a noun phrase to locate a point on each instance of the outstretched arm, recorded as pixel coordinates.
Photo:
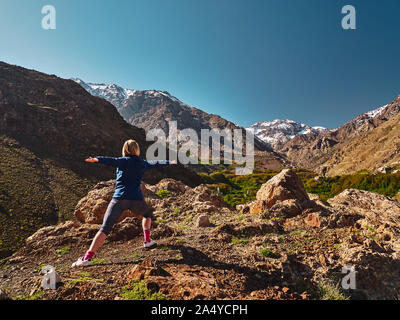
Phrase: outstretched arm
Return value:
(113, 162)
(157, 165)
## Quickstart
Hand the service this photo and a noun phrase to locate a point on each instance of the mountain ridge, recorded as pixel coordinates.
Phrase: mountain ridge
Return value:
(153, 109)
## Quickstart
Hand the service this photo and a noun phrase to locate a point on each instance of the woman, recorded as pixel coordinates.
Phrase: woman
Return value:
(127, 195)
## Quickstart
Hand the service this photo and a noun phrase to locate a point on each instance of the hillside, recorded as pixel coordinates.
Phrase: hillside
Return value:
(48, 126)
(311, 150)
(286, 244)
(374, 149)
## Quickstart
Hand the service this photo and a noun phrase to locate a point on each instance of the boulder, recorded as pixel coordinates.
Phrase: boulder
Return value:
(284, 193)
(72, 232)
(284, 186)
(376, 269)
(199, 200)
(174, 186)
(313, 220)
(203, 221)
(374, 208)
(92, 207)
(126, 230)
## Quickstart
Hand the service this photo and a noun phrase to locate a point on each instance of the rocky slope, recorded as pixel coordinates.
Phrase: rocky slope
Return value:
(311, 150)
(48, 126)
(285, 245)
(372, 150)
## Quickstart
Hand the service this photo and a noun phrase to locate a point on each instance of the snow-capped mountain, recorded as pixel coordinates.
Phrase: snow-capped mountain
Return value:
(365, 118)
(117, 95)
(153, 109)
(277, 132)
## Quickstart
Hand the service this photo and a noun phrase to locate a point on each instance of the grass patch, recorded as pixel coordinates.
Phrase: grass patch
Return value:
(328, 291)
(36, 296)
(241, 217)
(137, 290)
(161, 221)
(98, 261)
(176, 212)
(267, 252)
(134, 256)
(84, 277)
(63, 251)
(299, 233)
(240, 242)
(40, 267)
(163, 194)
(182, 226)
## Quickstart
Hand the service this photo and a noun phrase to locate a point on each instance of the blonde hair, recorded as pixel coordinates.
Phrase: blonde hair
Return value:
(130, 148)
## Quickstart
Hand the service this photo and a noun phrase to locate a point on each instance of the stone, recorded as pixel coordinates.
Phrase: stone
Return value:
(283, 186)
(203, 221)
(283, 193)
(3, 295)
(313, 220)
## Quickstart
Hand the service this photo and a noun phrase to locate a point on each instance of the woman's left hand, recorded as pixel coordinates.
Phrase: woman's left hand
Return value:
(92, 160)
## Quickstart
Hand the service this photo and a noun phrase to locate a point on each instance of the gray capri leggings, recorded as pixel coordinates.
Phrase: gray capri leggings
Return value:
(117, 206)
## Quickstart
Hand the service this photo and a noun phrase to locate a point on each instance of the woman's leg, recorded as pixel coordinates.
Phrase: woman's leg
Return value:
(147, 212)
(113, 212)
(146, 224)
(97, 241)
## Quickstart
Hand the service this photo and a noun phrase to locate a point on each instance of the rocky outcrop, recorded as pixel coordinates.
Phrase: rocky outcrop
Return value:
(167, 195)
(374, 209)
(91, 208)
(74, 232)
(184, 199)
(284, 186)
(284, 193)
(287, 251)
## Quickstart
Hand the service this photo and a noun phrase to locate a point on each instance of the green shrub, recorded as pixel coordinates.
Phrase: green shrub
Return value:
(240, 242)
(63, 251)
(328, 291)
(267, 252)
(137, 290)
(161, 221)
(35, 296)
(163, 194)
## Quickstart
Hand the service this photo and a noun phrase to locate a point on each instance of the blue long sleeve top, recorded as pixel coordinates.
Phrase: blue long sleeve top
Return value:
(130, 171)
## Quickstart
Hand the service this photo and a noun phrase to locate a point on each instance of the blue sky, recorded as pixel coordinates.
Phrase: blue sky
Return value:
(246, 60)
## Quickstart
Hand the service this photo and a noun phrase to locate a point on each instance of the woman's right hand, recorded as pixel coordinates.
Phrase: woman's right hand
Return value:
(92, 160)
